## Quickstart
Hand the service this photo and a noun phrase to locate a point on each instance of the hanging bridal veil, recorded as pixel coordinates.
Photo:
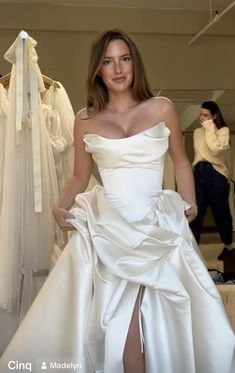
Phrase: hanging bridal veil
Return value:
(3, 118)
(29, 185)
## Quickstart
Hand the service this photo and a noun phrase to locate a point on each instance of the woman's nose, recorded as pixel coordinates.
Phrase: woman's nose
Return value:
(117, 67)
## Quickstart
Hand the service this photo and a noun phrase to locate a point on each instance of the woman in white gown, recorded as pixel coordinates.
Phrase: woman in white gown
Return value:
(130, 292)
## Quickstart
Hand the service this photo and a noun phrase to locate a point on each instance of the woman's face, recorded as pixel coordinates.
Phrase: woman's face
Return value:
(117, 67)
(205, 115)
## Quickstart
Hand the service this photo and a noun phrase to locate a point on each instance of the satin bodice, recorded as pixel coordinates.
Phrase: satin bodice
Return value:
(120, 161)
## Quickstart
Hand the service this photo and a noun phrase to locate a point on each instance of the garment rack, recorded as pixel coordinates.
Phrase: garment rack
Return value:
(5, 81)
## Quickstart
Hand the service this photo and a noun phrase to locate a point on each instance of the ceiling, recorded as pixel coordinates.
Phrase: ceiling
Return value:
(147, 4)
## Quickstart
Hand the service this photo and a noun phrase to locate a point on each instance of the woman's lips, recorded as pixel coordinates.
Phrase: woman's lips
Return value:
(120, 79)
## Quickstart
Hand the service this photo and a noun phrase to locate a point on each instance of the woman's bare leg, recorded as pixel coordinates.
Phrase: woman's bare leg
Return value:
(133, 358)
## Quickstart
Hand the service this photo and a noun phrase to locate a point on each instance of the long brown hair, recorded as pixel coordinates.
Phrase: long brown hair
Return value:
(214, 109)
(97, 93)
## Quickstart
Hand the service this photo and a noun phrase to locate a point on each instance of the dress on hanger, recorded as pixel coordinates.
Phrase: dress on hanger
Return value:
(8, 321)
(129, 233)
(57, 140)
(29, 187)
(56, 96)
(59, 148)
(3, 118)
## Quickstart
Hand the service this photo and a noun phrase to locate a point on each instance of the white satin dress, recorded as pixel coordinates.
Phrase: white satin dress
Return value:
(130, 233)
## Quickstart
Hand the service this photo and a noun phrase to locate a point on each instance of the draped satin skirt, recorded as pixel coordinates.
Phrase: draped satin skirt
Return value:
(83, 311)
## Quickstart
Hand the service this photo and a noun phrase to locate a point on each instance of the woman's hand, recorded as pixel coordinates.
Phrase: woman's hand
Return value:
(191, 213)
(60, 216)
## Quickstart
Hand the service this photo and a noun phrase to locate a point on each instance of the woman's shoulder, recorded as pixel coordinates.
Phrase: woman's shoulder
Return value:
(82, 121)
(160, 102)
(161, 105)
(82, 114)
(87, 116)
(86, 122)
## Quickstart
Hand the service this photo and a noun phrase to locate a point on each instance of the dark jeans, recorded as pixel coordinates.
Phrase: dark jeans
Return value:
(212, 189)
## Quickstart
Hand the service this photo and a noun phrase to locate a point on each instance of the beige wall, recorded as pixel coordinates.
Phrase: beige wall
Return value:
(64, 34)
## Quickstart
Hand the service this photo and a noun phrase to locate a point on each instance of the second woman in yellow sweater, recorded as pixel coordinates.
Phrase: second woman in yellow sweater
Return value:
(211, 172)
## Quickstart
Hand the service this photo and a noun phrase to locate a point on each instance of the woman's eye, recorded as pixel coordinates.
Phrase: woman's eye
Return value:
(127, 58)
(106, 62)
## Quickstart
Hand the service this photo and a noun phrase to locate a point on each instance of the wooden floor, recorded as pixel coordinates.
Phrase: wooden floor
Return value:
(211, 246)
(212, 237)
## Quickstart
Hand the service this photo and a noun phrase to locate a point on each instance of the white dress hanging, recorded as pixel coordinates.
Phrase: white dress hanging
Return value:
(3, 118)
(27, 232)
(56, 96)
(8, 321)
(57, 140)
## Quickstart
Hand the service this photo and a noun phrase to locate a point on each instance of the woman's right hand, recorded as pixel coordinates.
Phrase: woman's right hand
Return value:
(191, 213)
(60, 216)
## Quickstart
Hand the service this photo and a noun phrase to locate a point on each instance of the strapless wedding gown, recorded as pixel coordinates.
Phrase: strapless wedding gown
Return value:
(129, 234)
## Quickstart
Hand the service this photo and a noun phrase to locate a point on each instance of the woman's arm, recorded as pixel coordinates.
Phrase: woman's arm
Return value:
(183, 170)
(80, 179)
(217, 140)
